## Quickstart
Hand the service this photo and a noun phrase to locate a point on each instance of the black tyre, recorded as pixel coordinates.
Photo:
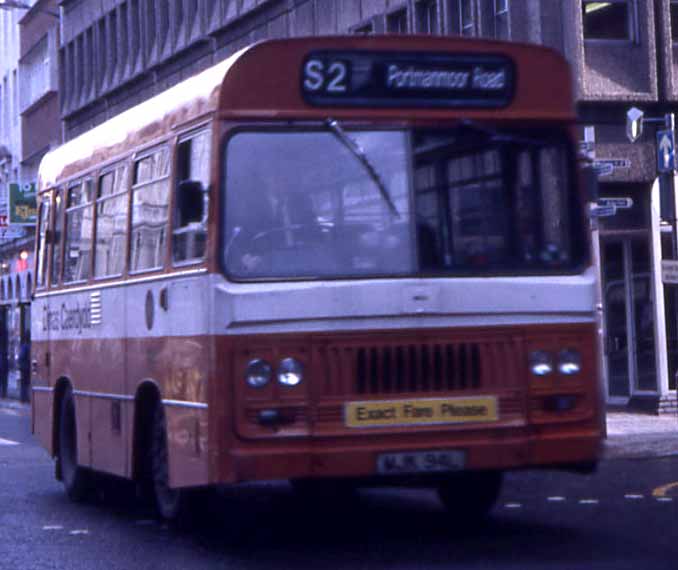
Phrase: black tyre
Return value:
(470, 496)
(74, 478)
(170, 504)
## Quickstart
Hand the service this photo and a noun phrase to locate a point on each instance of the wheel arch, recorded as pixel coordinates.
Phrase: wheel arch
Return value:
(62, 384)
(146, 398)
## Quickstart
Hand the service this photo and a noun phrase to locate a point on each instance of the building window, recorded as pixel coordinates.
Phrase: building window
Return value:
(612, 20)
(674, 21)
(502, 20)
(396, 22)
(363, 29)
(463, 18)
(427, 17)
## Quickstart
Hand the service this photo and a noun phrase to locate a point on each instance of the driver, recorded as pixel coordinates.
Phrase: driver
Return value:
(252, 217)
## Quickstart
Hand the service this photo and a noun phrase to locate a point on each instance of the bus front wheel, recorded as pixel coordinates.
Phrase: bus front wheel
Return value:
(73, 477)
(471, 495)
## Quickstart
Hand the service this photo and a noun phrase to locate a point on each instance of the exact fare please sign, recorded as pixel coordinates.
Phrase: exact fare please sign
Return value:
(421, 411)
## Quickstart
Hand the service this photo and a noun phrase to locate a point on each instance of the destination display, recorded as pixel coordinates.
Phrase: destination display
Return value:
(387, 79)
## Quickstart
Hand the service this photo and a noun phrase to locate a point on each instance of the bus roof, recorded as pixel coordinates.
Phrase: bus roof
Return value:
(264, 82)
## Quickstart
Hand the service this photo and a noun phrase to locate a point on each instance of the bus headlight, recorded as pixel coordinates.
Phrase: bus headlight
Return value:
(569, 362)
(290, 372)
(258, 373)
(541, 363)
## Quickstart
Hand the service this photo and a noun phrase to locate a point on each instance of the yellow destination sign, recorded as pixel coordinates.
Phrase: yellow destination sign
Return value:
(421, 412)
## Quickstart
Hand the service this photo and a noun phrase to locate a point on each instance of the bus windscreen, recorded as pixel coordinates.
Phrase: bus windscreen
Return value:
(448, 202)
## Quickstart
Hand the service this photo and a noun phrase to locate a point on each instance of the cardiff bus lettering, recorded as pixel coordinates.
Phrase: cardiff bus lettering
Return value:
(66, 318)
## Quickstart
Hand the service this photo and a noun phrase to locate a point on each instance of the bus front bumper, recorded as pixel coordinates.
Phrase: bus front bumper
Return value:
(359, 457)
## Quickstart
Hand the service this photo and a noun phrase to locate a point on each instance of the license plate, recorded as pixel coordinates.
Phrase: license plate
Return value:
(420, 462)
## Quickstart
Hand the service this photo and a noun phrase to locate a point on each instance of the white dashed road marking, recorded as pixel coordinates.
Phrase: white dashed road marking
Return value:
(513, 505)
(634, 497)
(8, 442)
(555, 499)
(588, 502)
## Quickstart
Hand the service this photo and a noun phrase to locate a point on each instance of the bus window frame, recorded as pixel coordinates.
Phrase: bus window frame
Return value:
(170, 145)
(58, 189)
(45, 200)
(195, 131)
(111, 167)
(70, 185)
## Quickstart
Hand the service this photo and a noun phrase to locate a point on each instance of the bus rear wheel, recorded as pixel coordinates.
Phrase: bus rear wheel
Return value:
(170, 504)
(73, 477)
(470, 495)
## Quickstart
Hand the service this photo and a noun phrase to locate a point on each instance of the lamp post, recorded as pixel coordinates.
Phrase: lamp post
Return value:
(666, 185)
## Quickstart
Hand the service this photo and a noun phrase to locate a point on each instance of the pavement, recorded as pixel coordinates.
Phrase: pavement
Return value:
(630, 434)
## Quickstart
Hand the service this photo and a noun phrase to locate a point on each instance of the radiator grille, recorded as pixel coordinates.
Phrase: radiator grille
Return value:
(413, 368)
(424, 367)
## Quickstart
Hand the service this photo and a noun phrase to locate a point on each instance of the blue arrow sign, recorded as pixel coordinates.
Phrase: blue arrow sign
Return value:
(666, 151)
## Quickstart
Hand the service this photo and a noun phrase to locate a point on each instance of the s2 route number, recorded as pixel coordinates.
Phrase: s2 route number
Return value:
(325, 77)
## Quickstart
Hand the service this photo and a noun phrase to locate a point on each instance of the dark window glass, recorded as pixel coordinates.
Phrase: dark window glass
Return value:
(111, 225)
(58, 230)
(189, 234)
(396, 22)
(427, 17)
(365, 29)
(606, 20)
(674, 21)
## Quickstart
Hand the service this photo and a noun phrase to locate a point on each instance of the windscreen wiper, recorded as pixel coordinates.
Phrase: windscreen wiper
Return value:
(357, 151)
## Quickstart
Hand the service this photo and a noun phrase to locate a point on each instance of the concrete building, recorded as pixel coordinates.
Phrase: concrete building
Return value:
(29, 126)
(116, 53)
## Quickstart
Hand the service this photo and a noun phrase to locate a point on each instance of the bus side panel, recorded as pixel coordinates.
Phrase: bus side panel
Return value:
(167, 346)
(102, 367)
(42, 396)
(189, 345)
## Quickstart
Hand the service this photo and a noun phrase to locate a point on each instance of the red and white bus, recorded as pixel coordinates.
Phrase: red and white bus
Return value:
(345, 259)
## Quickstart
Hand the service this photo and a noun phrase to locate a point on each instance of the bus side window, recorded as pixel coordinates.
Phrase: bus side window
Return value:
(189, 234)
(111, 225)
(150, 198)
(57, 250)
(78, 239)
(43, 241)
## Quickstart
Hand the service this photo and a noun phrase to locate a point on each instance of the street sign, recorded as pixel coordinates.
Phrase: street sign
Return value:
(666, 147)
(606, 166)
(670, 271)
(11, 232)
(602, 169)
(634, 124)
(22, 204)
(602, 211)
(619, 203)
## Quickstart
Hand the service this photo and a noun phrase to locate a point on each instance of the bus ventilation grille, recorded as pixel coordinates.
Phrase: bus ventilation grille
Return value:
(417, 368)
